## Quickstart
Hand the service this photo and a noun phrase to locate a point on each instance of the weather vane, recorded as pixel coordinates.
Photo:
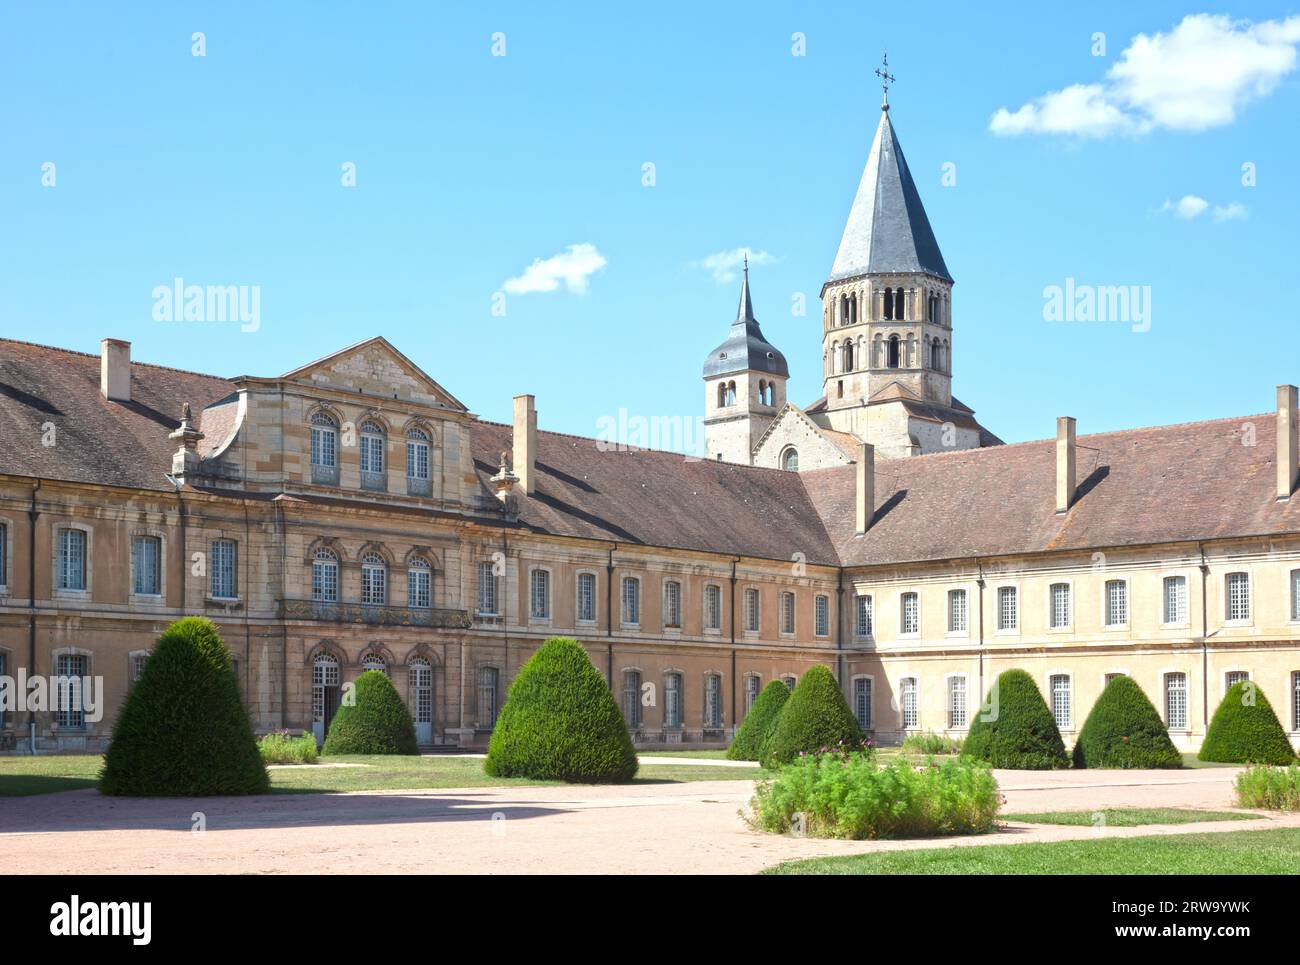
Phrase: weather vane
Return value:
(886, 78)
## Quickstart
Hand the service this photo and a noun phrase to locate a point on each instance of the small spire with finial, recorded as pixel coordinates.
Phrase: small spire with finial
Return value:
(886, 78)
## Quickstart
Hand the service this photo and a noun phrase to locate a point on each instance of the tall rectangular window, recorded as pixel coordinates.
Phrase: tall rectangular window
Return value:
(1060, 600)
(910, 703)
(712, 701)
(1295, 582)
(487, 588)
(631, 601)
(1237, 596)
(72, 559)
(587, 597)
(146, 556)
(957, 620)
(419, 585)
(71, 671)
(1008, 615)
(862, 626)
(417, 459)
(1175, 599)
(488, 678)
(223, 569)
(910, 616)
(1060, 687)
(787, 613)
(632, 698)
(1176, 701)
(4, 555)
(1116, 603)
(673, 604)
(956, 702)
(712, 607)
(822, 615)
(752, 688)
(862, 702)
(673, 700)
(324, 441)
(751, 610)
(325, 577)
(1295, 699)
(1234, 677)
(539, 594)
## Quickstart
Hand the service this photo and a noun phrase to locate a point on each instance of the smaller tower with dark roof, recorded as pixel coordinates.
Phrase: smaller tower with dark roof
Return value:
(744, 386)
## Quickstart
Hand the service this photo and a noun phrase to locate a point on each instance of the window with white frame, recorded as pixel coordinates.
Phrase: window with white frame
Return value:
(1008, 613)
(751, 609)
(419, 674)
(71, 670)
(909, 614)
(862, 626)
(4, 554)
(419, 583)
(325, 576)
(957, 701)
(632, 698)
(822, 615)
(910, 703)
(631, 601)
(787, 612)
(1116, 603)
(1175, 599)
(138, 660)
(1295, 699)
(488, 678)
(1234, 677)
(1237, 597)
(672, 604)
(72, 559)
(1109, 677)
(587, 597)
(539, 594)
(417, 454)
(1059, 684)
(324, 677)
(957, 618)
(672, 700)
(146, 565)
(712, 701)
(713, 607)
(374, 661)
(324, 441)
(752, 688)
(1295, 583)
(789, 682)
(374, 580)
(1060, 605)
(372, 447)
(487, 588)
(862, 702)
(1176, 701)
(223, 569)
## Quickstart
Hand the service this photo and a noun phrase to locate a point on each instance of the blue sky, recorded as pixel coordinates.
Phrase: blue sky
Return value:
(226, 169)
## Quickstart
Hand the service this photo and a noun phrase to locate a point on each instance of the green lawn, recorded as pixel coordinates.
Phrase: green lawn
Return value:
(1128, 817)
(715, 755)
(1191, 760)
(1234, 853)
(65, 772)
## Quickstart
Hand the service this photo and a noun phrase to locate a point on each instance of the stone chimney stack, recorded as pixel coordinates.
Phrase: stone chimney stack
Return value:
(864, 498)
(115, 369)
(525, 443)
(1287, 461)
(1065, 460)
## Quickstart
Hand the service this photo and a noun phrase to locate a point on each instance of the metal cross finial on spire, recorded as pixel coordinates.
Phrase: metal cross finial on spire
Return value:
(886, 78)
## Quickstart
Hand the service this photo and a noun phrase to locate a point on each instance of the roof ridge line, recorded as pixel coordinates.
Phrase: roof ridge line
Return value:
(92, 355)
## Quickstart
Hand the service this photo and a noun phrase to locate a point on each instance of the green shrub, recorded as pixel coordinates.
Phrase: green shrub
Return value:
(560, 722)
(281, 747)
(375, 721)
(1244, 730)
(759, 722)
(183, 730)
(1275, 788)
(1124, 730)
(849, 796)
(815, 717)
(930, 743)
(1017, 730)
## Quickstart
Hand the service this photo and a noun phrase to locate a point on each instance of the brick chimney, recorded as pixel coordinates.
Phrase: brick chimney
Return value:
(864, 499)
(525, 443)
(1065, 458)
(1287, 462)
(115, 369)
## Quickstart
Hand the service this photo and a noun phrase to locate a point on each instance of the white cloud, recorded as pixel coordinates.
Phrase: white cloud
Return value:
(1189, 206)
(723, 264)
(573, 268)
(1196, 76)
(1233, 211)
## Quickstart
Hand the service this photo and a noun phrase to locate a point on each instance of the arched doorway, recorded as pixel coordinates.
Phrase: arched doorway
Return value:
(420, 681)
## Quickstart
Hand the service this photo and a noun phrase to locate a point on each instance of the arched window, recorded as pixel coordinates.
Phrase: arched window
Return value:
(373, 661)
(419, 583)
(892, 352)
(372, 455)
(762, 392)
(853, 309)
(417, 462)
(374, 580)
(325, 576)
(722, 394)
(731, 393)
(790, 459)
(900, 309)
(324, 449)
(936, 356)
(848, 356)
(324, 693)
(889, 304)
(844, 309)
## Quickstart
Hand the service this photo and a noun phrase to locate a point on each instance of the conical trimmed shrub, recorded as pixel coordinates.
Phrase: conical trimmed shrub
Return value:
(560, 722)
(1124, 730)
(376, 721)
(815, 716)
(183, 730)
(1017, 731)
(1244, 730)
(759, 722)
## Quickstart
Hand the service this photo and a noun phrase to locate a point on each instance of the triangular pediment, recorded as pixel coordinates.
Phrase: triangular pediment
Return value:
(375, 367)
(894, 390)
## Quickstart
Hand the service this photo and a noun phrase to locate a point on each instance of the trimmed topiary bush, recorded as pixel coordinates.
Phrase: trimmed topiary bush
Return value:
(375, 722)
(1125, 730)
(759, 723)
(1021, 734)
(183, 730)
(560, 722)
(1244, 730)
(815, 716)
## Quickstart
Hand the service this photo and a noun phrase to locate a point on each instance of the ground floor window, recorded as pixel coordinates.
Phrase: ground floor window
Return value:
(1060, 688)
(862, 702)
(910, 703)
(673, 700)
(1176, 701)
(632, 698)
(488, 678)
(712, 700)
(752, 686)
(421, 682)
(71, 670)
(956, 702)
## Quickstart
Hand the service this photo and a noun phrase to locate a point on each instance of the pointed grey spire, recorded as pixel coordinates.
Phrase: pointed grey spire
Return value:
(745, 348)
(887, 230)
(746, 311)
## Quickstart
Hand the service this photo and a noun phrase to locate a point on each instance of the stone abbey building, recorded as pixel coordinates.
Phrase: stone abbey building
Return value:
(353, 514)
